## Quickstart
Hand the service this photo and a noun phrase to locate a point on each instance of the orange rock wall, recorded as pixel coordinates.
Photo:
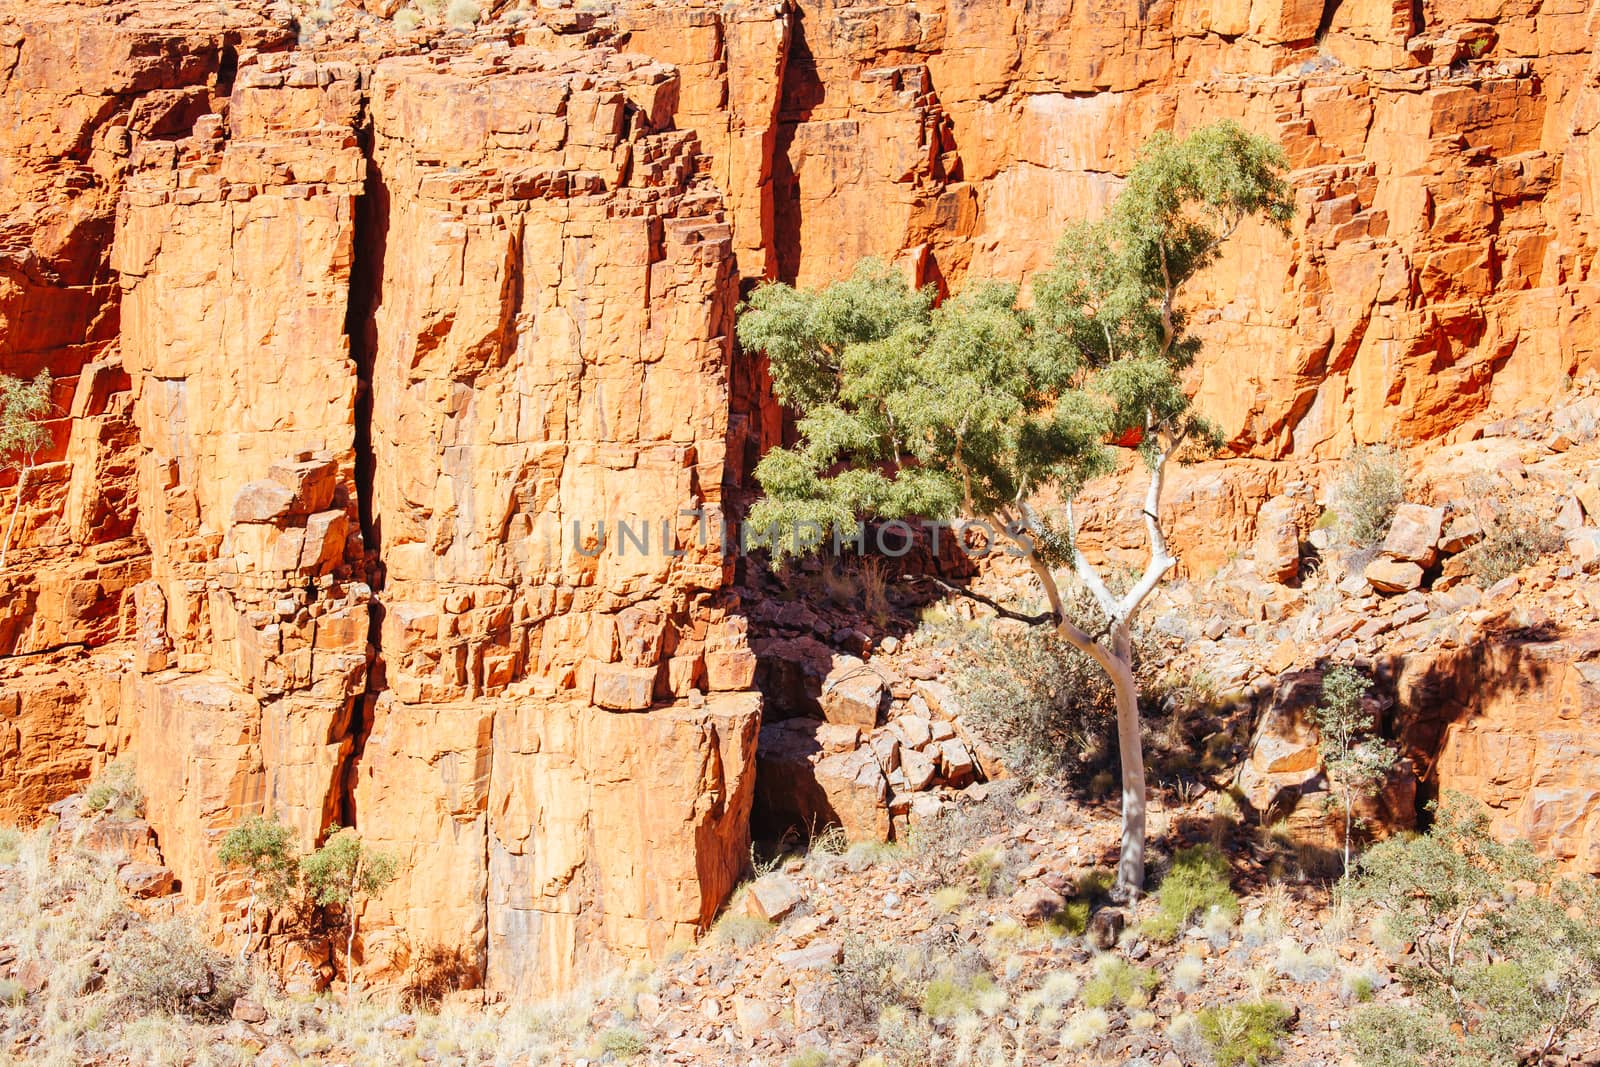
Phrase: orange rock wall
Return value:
(347, 341)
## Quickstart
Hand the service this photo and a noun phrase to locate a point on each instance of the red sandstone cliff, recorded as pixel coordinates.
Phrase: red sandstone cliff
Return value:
(348, 333)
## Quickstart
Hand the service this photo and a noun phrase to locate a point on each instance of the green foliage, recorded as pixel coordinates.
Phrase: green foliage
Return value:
(1046, 707)
(1513, 540)
(811, 1057)
(1198, 881)
(264, 847)
(115, 791)
(947, 996)
(741, 930)
(1244, 1035)
(1116, 981)
(1371, 486)
(906, 409)
(344, 868)
(1496, 966)
(23, 407)
(1357, 762)
(1070, 921)
(623, 1043)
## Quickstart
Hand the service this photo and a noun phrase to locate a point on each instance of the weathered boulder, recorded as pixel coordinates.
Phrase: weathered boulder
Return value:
(853, 693)
(1393, 575)
(1413, 535)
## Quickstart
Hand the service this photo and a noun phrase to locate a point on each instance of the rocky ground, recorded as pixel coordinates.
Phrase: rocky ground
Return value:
(967, 923)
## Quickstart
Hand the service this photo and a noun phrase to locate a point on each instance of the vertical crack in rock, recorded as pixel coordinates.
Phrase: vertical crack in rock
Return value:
(369, 248)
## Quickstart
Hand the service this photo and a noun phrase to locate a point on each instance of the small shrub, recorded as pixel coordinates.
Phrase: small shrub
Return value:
(1070, 921)
(1514, 540)
(165, 968)
(741, 930)
(947, 997)
(1244, 1035)
(10, 845)
(11, 993)
(1085, 1028)
(867, 980)
(1403, 1035)
(1357, 984)
(1198, 882)
(988, 869)
(1371, 487)
(811, 1057)
(1116, 981)
(407, 19)
(948, 899)
(1306, 965)
(623, 1043)
(462, 14)
(1493, 967)
(875, 592)
(1188, 973)
(1048, 709)
(115, 791)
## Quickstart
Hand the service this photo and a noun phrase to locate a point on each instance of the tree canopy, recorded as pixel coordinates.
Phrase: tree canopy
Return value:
(910, 409)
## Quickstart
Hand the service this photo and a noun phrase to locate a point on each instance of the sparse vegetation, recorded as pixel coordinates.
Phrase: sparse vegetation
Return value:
(1244, 1035)
(1501, 968)
(1197, 883)
(741, 930)
(623, 1043)
(10, 845)
(264, 849)
(115, 791)
(339, 873)
(1357, 761)
(462, 14)
(1371, 487)
(24, 404)
(1117, 982)
(1514, 539)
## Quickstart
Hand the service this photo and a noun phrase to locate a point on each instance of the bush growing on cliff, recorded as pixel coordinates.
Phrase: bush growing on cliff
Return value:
(1515, 538)
(23, 407)
(1505, 962)
(115, 791)
(264, 848)
(966, 411)
(1371, 487)
(1357, 761)
(342, 871)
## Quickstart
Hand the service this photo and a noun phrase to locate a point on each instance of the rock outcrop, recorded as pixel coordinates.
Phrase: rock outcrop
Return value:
(396, 383)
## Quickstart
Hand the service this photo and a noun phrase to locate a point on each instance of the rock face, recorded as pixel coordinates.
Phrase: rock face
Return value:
(396, 387)
(1515, 723)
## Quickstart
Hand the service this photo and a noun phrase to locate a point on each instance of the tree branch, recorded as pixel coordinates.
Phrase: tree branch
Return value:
(1086, 572)
(1161, 560)
(999, 609)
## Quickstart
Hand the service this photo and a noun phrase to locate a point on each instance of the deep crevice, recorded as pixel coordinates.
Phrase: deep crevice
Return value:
(368, 251)
(1330, 8)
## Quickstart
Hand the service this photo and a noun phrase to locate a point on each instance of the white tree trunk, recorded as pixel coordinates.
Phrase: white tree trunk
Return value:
(16, 506)
(1135, 798)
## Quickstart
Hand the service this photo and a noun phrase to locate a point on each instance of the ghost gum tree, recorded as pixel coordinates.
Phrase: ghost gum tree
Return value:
(967, 410)
(24, 404)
